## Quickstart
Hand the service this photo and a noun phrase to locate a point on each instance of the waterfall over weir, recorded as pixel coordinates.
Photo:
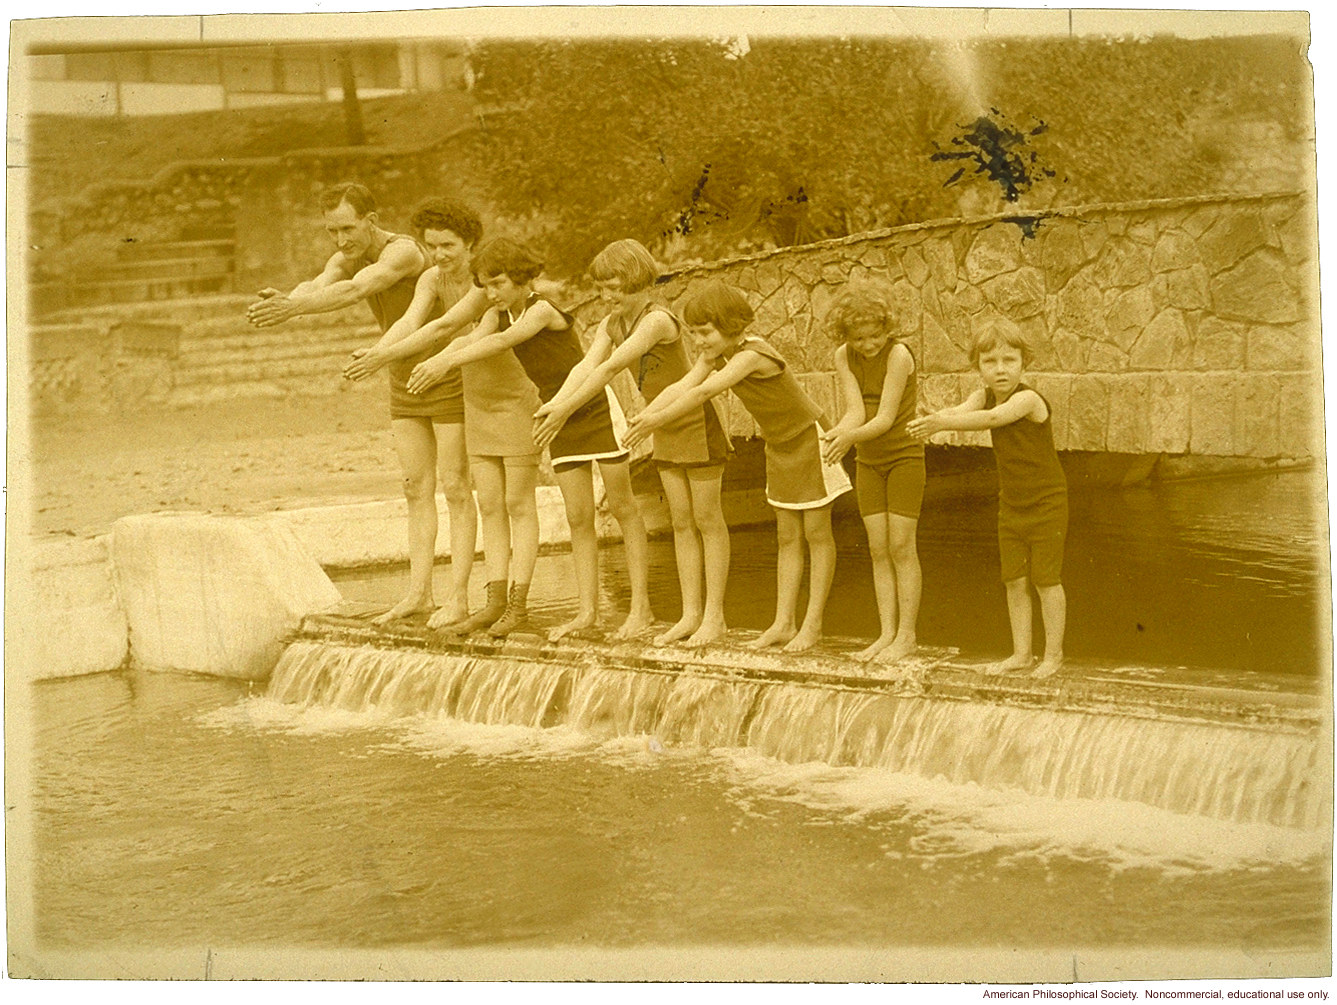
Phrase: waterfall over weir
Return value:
(1188, 762)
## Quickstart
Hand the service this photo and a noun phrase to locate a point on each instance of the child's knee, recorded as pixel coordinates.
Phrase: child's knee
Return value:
(788, 531)
(455, 485)
(419, 486)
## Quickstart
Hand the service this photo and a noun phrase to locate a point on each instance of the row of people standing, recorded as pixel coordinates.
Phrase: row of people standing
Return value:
(485, 373)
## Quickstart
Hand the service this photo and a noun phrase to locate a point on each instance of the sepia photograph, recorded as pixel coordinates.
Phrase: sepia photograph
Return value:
(769, 494)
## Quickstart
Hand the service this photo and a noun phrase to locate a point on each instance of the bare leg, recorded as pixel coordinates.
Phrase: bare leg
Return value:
(1054, 614)
(577, 485)
(788, 577)
(453, 462)
(1019, 611)
(909, 586)
(627, 512)
(822, 558)
(709, 517)
(884, 584)
(687, 552)
(416, 446)
(489, 474)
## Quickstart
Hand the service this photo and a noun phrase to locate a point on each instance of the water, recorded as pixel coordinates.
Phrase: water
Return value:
(613, 809)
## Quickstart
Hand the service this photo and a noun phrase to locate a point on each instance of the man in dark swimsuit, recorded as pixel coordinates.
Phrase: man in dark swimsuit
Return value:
(370, 264)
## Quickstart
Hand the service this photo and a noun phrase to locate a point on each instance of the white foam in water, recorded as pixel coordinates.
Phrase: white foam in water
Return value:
(973, 777)
(960, 820)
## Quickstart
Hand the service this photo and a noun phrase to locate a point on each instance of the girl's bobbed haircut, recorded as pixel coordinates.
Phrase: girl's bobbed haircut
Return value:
(358, 197)
(865, 302)
(447, 214)
(997, 333)
(504, 257)
(715, 304)
(628, 262)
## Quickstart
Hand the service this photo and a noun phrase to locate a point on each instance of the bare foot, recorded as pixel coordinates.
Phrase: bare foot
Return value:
(579, 623)
(803, 640)
(1047, 668)
(1013, 662)
(633, 626)
(710, 631)
(405, 608)
(776, 635)
(880, 643)
(899, 649)
(447, 617)
(681, 630)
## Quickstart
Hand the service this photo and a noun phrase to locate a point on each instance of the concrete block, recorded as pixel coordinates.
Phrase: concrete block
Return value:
(995, 250)
(1257, 416)
(1125, 318)
(1299, 419)
(941, 260)
(1055, 388)
(1299, 238)
(1080, 307)
(1130, 414)
(1036, 334)
(941, 354)
(1259, 288)
(1101, 357)
(1165, 336)
(874, 257)
(916, 269)
(1236, 233)
(769, 277)
(1274, 347)
(1212, 414)
(1198, 221)
(1187, 288)
(1061, 253)
(71, 621)
(1218, 345)
(1169, 401)
(1018, 294)
(1142, 229)
(1094, 235)
(1123, 263)
(213, 595)
(1175, 250)
(1071, 351)
(1089, 417)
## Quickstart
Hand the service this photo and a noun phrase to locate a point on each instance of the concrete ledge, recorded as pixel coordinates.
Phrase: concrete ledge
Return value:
(932, 673)
(211, 594)
(72, 622)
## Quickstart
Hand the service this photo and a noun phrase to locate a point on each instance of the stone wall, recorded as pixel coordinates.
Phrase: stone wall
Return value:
(1181, 326)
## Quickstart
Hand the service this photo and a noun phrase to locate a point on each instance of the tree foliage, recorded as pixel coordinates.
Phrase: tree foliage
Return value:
(701, 148)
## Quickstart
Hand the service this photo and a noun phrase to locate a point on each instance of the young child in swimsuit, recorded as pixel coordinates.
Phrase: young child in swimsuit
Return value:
(799, 484)
(543, 338)
(877, 381)
(645, 337)
(1032, 489)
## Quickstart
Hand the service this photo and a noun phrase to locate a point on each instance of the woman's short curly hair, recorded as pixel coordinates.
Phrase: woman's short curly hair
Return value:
(447, 214)
(865, 302)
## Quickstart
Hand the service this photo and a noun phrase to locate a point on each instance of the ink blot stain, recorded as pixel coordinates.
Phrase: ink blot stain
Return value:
(999, 151)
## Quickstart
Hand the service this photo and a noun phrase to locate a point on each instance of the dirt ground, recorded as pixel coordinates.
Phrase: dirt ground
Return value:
(242, 456)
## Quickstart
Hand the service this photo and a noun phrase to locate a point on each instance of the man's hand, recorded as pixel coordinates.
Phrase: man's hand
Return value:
(271, 309)
(364, 363)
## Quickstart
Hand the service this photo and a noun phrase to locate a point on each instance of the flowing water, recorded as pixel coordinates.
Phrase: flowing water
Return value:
(367, 798)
